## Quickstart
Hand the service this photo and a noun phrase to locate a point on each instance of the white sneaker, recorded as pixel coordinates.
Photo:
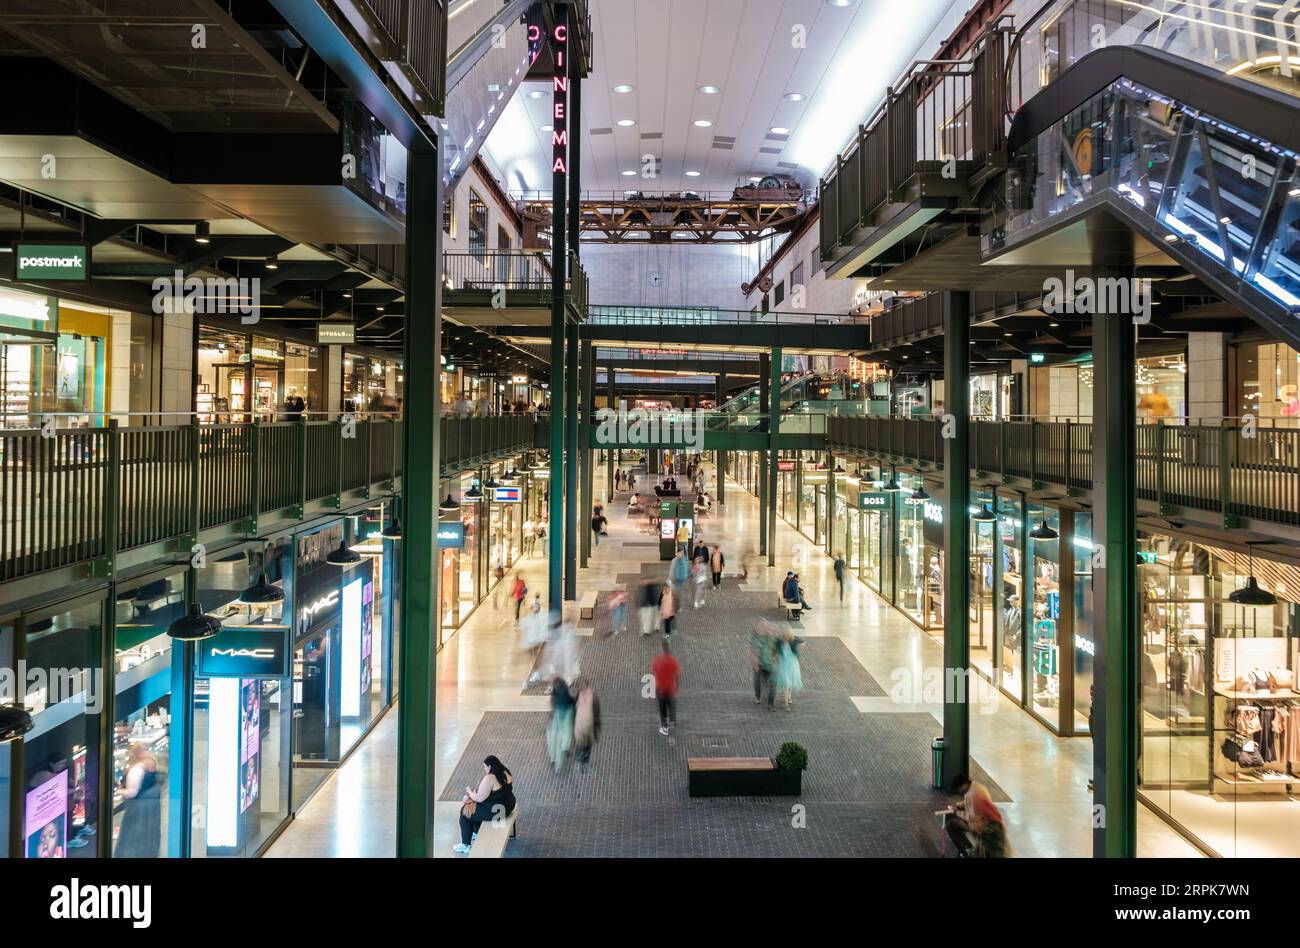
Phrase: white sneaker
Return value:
(460, 848)
(663, 731)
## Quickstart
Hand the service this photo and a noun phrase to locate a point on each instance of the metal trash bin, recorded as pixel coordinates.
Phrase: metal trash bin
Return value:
(936, 763)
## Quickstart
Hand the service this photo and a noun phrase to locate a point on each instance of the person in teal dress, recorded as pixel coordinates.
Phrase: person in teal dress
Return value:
(789, 678)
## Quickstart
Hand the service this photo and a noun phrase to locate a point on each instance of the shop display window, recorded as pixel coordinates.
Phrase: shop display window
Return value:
(985, 576)
(142, 714)
(222, 383)
(7, 659)
(241, 757)
(61, 757)
(1043, 621)
(1011, 594)
(1267, 382)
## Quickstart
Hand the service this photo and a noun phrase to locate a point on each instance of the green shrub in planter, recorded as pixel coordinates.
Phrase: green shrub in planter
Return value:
(791, 756)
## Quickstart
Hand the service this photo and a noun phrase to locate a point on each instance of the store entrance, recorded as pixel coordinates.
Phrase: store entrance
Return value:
(27, 379)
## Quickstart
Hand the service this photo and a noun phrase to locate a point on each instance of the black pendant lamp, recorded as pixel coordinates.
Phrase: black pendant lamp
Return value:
(893, 486)
(14, 722)
(1251, 594)
(1043, 532)
(474, 493)
(261, 592)
(194, 626)
(920, 495)
(343, 556)
(985, 515)
(492, 483)
(394, 529)
(449, 504)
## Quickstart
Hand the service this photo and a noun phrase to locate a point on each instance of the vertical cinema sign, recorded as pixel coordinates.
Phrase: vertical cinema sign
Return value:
(560, 98)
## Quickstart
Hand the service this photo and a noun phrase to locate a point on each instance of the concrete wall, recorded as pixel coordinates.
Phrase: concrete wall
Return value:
(177, 365)
(623, 274)
(1207, 391)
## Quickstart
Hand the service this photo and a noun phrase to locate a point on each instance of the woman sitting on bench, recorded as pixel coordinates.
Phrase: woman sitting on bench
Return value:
(496, 789)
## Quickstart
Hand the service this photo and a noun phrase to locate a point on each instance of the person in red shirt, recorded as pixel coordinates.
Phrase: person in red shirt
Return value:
(667, 674)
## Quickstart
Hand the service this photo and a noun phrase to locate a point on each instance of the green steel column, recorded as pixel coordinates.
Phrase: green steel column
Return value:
(955, 426)
(416, 792)
(572, 387)
(773, 409)
(611, 452)
(585, 456)
(722, 477)
(830, 504)
(760, 476)
(559, 259)
(1115, 684)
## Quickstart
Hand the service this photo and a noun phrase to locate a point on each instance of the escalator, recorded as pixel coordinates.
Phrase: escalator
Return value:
(1142, 154)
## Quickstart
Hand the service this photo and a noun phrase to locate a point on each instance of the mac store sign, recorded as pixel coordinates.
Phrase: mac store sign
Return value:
(245, 652)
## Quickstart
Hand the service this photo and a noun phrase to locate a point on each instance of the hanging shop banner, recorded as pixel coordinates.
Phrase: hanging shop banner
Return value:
(932, 522)
(786, 465)
(245, 652)
(508, 495)
(873, 500)
(813, 478)
(451, 535)
(336, 334)
(52, 262)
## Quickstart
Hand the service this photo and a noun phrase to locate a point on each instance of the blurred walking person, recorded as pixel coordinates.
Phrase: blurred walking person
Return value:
(586, 721)
(518, 594)
(667, 674)
(789, 676)
(763, 659)
(559, 732)
(699, 583)
(840, 567)
(716, 563)
(678, 571)
(617, 603)
(668, 610)
(650, 595)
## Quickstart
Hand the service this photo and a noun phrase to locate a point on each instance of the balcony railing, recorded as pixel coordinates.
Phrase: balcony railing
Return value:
(695, 316)
(85, 494)
(1236, 471)
(527, 271)
(414, 35)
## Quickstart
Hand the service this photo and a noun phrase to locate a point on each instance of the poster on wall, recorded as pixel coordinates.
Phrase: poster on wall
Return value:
(250, 742)
(46, 834)
(367, 634)
(69, 375)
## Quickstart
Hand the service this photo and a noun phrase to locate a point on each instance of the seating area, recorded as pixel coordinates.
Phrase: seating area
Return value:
(490, 843)
(740, 776)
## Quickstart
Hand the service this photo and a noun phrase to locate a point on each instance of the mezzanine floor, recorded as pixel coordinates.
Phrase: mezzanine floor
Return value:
(866, 791)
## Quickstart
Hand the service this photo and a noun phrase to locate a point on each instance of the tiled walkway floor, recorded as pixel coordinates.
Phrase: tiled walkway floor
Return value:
(865, 793)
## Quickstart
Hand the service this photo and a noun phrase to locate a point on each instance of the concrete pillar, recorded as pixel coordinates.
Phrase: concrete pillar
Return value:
(178, 341)
(584, 454)
(773, 409)
(764, 377)
(1207, 364)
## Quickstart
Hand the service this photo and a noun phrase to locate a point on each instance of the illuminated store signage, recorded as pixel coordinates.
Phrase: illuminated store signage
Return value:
(813, 478)
(245, 652)
(560, 99)
(52, 262)
(336, 334)
(508, 495)
(451, 536)
(873, 501)
(786, 465)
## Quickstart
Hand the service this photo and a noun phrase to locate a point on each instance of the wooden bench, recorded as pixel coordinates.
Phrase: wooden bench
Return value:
(792, 609)
(587, 606)
(490, 843)
(740, 776)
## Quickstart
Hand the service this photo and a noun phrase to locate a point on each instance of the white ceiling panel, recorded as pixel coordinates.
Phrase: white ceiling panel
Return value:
(667, 49)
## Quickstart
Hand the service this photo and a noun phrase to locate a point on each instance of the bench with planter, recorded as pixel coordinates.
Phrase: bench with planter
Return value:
(780, 776)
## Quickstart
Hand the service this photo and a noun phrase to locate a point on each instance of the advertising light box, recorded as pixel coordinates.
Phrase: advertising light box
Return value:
(508, 495)
(245, 652)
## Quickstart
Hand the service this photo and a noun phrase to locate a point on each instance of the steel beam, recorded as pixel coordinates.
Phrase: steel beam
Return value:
(956, 535)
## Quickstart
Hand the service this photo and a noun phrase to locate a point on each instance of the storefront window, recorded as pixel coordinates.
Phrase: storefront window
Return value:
(1267, 381)
(1084, 641)
(7, 696)
(302, 376)
(1010, 527)
(985, 575)
(470, 518)
(61, 758)
(242, 725)
(142, 715)
(223, 384)
(1044, 642)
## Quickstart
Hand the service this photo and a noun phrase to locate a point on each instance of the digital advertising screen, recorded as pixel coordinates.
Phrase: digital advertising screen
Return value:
(250, 742)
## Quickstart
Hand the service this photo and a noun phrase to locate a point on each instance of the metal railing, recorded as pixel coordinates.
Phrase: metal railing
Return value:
(414, 33)
(512, 270)
(687, 316)
(81, 494)
(1229, 469)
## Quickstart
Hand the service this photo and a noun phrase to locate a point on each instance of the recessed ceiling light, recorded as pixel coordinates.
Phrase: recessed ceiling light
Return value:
(702, 123)
(692, 174)
(626, 123)
(628, 174)
(710, 90)
(840, 3)
(546, 128)
(755, 178)
(779, 130)
(535, 94)
(794, 97)
(623, 88)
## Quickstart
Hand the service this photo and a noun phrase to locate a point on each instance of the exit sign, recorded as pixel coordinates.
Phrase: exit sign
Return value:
(52, 262)
(1037, 358)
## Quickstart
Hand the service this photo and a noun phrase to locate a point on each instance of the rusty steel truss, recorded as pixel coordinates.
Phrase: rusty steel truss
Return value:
(661, 218)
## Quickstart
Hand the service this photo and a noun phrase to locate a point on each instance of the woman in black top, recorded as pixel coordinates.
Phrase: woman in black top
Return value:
(494, 797)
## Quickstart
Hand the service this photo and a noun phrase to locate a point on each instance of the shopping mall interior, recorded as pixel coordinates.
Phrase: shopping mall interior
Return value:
(555, 428)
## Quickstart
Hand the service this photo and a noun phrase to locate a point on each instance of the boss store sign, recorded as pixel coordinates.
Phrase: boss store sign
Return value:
(245, 652)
